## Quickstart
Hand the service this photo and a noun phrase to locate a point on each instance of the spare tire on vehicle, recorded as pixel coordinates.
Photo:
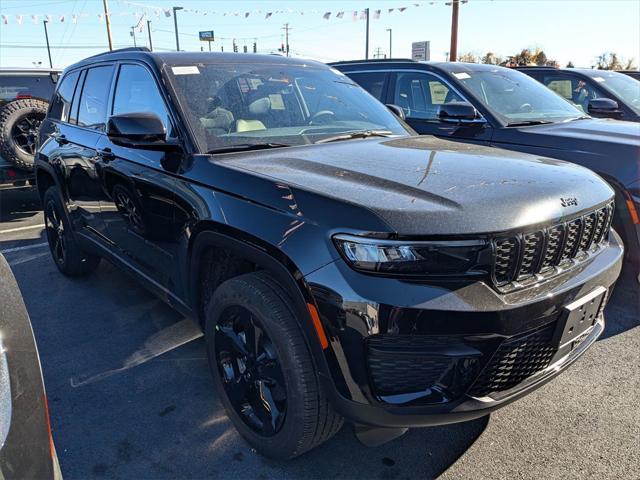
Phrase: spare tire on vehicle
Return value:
(19, 125)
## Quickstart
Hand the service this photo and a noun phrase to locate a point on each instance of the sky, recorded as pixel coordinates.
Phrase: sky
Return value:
(567, 30)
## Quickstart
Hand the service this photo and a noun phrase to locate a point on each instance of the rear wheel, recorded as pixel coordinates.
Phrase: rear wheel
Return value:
(70, 259)
(263, 369)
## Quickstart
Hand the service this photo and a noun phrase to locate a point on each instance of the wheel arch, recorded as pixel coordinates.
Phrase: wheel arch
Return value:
(213, 236)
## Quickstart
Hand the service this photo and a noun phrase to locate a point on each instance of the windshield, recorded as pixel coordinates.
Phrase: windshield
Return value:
(247, 104)
(514, 97)
(622, 86)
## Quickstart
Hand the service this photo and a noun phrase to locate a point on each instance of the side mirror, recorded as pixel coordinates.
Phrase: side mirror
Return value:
(138, 130)
(397, 111)
(604, 107)
(459, 112)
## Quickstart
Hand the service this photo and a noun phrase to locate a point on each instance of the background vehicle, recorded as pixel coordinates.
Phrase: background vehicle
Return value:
(500, 107)
(24, 100)
(586, 88)
(341, 265)
(632, 73)
(26, 445)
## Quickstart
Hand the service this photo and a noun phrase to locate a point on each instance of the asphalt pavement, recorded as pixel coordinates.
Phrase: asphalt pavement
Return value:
(130, 394)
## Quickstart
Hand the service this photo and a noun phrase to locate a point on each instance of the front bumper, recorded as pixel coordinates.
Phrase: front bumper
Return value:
(446, 339)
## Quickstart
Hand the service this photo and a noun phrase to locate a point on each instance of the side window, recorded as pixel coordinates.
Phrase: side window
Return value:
(421, 94)
(92, 110)
(136, 92)
(372, 82)
(575, 90)
(61, 104)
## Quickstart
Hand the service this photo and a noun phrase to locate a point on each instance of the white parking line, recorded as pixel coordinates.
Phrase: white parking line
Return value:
(26, 247)
(21, 229)
(29, 258)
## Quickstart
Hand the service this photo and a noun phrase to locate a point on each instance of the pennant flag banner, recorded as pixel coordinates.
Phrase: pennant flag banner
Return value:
(142, 11)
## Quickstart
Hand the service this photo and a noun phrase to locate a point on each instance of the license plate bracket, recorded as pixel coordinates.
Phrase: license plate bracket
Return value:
(577, 318)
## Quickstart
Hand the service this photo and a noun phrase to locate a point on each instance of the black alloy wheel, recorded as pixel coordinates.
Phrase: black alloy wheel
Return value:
(25, 133)
(251, 371)
(56, 234)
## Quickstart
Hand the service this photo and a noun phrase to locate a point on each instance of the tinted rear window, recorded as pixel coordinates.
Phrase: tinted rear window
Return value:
(92, 110)
(15, 86)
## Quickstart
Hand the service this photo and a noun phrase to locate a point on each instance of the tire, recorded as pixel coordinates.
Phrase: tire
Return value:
(70, 259)
(306, 418)
(129, 207)
(19, 125)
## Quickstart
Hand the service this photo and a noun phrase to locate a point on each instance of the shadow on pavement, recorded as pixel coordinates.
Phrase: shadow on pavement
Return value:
(18, 204)
(623, 309)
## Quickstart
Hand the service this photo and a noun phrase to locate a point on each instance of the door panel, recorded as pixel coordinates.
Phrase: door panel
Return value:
(138, 206)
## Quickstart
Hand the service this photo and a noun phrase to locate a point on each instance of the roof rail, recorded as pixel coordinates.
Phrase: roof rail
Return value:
(373, 60)
(119, 50)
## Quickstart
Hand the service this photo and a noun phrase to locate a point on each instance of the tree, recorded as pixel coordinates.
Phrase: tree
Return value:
(630, 65)
(468, 58)
(539, 57)
(609, 61)
(491, 58)
(570, 64)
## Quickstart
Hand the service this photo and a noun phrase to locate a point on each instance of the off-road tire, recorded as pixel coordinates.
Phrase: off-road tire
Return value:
(76, 262)
(10, 114)
(310, 418)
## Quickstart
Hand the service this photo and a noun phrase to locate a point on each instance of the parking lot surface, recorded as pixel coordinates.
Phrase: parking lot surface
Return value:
(130, 394)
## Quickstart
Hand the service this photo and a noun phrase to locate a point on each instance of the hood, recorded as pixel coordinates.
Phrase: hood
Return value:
(597, 133)
(429, 186)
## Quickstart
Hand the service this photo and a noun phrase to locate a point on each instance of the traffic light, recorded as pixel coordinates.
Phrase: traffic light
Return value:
(281, 47)
(235, 47)
(244, 49)
(255, 47)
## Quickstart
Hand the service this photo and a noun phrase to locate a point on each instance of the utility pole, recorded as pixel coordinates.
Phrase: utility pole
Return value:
(149, 33)
(378, 53)
(46, 36)
(107, 20)
(286, 29)
(366, 48)
(175, 26)
(453, 50)
(390, 34)
(133, 34)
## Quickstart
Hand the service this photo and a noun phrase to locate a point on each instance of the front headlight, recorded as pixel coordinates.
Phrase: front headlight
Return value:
(446, 258)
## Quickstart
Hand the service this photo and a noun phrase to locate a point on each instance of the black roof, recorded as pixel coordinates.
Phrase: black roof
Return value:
(191, 58)
(457, 67)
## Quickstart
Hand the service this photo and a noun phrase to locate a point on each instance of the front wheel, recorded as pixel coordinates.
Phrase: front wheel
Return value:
(263, 369)
(70, 259)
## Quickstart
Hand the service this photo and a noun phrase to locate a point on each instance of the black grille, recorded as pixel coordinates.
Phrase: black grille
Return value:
(515, 360)
(398, 364)
(524, 255)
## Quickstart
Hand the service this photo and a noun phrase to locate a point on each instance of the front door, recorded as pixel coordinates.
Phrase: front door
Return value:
(420, 95)
(139, 184)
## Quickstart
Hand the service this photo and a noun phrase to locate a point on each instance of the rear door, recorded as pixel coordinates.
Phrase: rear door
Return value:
(75, 156)
(373, 82)
(139, 183)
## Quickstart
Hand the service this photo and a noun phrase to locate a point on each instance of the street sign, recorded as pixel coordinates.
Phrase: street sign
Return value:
(207, 36)
(420, 51)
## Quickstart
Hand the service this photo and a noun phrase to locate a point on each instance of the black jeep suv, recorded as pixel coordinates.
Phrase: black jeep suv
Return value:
(341, 266)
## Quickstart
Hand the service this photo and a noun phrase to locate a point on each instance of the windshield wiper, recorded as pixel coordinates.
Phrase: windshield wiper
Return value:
(360, 134)
(245, 147)
(528, 122)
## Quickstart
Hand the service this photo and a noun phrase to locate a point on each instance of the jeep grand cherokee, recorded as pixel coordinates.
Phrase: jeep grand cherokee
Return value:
(340, 265)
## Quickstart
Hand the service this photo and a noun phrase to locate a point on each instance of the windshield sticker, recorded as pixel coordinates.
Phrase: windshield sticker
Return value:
(462, 75)
(598, 79)
(277, 103)
(187, 70)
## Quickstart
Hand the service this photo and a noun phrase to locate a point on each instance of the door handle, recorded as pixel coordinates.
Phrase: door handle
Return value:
(106, 154)
(61, 139)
